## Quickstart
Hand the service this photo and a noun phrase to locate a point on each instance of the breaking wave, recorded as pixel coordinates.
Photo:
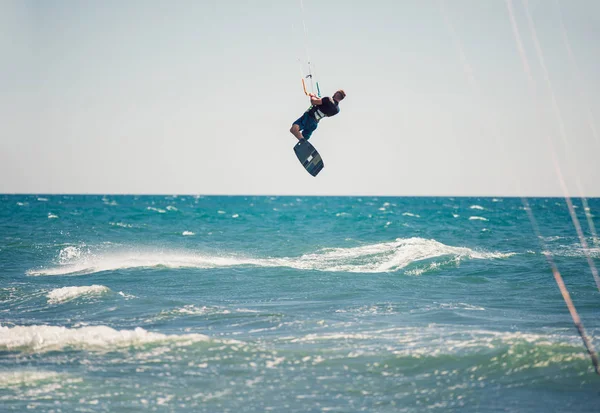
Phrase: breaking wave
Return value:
(61, 295)
(41, 339)
(373, 258)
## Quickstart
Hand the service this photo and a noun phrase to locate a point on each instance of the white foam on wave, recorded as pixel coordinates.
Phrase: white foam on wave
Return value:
(375, 258)
(41, 339)
(126, 296)
(431, 267)
(436, 340)
(475, 218)
(109, 202)
(17, 378)
(69, 253)
(479, 207)
(190, 310)
(88, 263)
(574, 250)
(61, 295)
(386, 257)
(120, 224)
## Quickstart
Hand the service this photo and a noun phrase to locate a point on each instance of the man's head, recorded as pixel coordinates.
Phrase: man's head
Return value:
(339, 95)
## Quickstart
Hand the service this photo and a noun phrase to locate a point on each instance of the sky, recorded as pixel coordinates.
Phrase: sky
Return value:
(197, 97)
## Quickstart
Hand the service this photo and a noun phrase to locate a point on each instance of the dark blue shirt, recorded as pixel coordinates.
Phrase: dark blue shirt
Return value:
(329, 106)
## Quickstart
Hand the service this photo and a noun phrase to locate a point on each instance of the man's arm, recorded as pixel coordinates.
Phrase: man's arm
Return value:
(314, 100)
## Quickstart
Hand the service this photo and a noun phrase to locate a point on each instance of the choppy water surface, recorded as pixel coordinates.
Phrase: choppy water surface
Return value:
(191, 304)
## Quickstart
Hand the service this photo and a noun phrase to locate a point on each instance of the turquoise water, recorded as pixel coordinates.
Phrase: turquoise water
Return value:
(292, 304)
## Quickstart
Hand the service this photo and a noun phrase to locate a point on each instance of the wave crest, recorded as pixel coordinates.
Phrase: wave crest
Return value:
(373, 258)
(41, 339)
(61, 295)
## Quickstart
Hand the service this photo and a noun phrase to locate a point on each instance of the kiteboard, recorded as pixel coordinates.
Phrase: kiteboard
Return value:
(309, 157)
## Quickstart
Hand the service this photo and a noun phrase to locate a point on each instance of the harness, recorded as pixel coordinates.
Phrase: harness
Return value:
(317, 114)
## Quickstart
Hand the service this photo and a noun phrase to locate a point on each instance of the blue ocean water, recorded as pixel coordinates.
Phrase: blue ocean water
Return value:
(293, 304)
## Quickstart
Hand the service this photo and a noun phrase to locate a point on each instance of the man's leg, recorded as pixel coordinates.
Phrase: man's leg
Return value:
(295, 130)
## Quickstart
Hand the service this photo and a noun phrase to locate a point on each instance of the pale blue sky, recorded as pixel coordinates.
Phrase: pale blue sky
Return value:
(198, 97)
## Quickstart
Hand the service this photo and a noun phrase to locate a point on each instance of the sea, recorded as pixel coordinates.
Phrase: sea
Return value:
(296, 304)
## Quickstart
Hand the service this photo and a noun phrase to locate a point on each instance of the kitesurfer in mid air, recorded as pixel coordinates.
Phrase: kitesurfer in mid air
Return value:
(321, 108)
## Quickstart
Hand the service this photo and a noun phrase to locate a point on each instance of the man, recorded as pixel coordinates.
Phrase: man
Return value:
(321, 108)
